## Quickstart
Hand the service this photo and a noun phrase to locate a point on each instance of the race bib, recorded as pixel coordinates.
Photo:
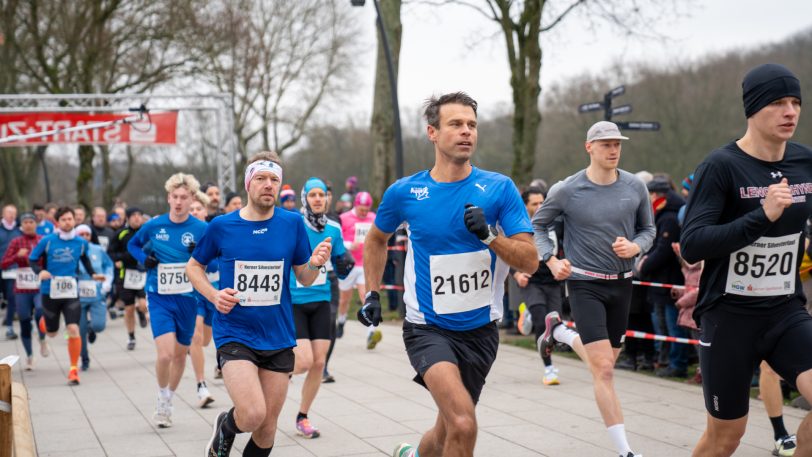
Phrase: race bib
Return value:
(259, 283)
(27, 279)
(63, 287)
(104, 242)
(765, 268)
(172, 279)
(321, 279)
(461, 282)
(361, 231)
(9, 274)
(134, 279)
(87, 289)
(213, 276)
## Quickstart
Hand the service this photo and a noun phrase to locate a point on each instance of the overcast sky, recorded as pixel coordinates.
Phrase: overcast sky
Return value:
(454, 48)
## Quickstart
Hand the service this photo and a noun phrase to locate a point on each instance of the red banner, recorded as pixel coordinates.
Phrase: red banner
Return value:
(157, 128)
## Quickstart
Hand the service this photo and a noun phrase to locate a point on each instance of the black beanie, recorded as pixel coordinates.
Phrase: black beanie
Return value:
(767, 83)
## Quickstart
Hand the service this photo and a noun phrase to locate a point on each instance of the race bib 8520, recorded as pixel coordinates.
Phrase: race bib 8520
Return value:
(765, 268)
(461, 282)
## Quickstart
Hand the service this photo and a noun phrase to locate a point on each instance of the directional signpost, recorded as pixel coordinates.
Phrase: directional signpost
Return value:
(609, 111)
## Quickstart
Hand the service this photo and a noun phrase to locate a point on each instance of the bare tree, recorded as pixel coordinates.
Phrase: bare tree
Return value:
(95, 46)
(278, 59)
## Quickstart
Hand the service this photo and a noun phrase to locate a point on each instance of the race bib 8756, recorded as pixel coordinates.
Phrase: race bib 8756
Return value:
(259, 283)
(460, 282)
(764, 268)
(172, 279)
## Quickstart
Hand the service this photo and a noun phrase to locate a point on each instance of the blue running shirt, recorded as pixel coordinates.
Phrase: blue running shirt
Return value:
(452, 279)
(255, 257)
(61, 257)
(169, 243)
(320, 289)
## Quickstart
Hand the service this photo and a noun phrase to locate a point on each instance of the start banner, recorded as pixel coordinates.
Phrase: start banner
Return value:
(155, 128)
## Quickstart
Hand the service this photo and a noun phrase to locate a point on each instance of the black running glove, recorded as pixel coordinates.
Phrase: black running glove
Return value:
(475, 221)
(151, 262)
(370, 313)
(191, 247)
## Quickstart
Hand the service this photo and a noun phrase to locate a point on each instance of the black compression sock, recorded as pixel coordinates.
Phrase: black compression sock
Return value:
(779, 431)
(132, 336)
(230, 425)
(252, 450)
(301, 416)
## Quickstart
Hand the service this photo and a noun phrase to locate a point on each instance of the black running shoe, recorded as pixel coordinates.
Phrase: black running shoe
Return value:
(91, 335)
(220, 443)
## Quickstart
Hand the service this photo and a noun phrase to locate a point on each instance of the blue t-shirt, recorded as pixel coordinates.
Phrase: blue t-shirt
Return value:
(45, 228)
(264, 251)
(167, 241)
(320, 290)
(102, 264)
(61, 257)
(451, 279)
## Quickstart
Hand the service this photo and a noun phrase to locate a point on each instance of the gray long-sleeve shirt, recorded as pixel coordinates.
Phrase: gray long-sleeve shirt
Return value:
(594, 216)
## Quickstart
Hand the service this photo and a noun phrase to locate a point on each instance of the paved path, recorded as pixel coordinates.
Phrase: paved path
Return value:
(372, 406)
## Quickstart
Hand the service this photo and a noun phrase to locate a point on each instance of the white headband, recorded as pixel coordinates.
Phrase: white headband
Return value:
(261, 166)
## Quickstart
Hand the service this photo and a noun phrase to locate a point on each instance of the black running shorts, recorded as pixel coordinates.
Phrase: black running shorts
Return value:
(473, 351)
(601, 309)
(312, 320)
(71, 308)
(279, 360)
(128, 296)
(732, 344)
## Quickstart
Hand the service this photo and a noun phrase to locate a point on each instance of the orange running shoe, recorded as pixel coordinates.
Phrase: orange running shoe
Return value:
(42, 325)
(73, 376)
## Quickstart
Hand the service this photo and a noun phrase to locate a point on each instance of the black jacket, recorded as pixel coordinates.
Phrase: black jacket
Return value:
(662, 264)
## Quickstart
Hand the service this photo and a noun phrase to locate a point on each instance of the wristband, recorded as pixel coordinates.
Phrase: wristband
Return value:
(312, 267)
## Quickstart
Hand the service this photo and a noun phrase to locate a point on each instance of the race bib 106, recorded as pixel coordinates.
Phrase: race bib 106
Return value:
(461, 282)
(27, 279)
(259, 283)
(765, 268)
(63, 287)
(172, 279)
(134, 279)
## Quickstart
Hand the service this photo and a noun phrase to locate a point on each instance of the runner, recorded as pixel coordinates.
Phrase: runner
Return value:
(257, 247)
(607, 221)
(355, 225)
(749, 203)
(311, 305)
(44, 226)
(769, 389)
(9, 229)
(233, 202)
(334, 292)
(205, 312)
(213, 207)
(163, 246)
(131, 277)
(540, 291)
(61, 253)
(455, 271)
(288, 199)
(91, 294)
(26, 285)
(103, 233)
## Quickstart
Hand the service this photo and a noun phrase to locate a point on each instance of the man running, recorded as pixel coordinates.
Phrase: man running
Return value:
(745, 218)
(355, 225)
(102, 231)
(163, 246)
(131, 278)
(608, 221)
(455, 271)
(257, 248)
(311, 305)
(26, 285)
(540, 291)
(61, 253)
(91, 293)
(205, 312)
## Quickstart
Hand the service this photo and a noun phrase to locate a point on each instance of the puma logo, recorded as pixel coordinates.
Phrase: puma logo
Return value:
(481, 187)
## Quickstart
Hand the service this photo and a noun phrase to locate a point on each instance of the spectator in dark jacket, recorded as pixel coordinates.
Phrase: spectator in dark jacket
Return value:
(661, 264)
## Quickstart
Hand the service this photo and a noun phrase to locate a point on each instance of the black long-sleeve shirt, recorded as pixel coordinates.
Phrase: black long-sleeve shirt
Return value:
(725, 222)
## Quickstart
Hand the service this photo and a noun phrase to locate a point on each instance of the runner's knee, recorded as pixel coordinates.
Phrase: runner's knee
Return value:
(461, 427)
(251, 418)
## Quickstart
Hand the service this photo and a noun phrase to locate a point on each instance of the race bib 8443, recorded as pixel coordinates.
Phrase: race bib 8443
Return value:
(259, 283)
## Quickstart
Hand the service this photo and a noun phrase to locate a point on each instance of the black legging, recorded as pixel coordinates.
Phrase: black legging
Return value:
(333, 314)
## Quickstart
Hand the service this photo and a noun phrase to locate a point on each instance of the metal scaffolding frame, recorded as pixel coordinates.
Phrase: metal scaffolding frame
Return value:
(219, 104)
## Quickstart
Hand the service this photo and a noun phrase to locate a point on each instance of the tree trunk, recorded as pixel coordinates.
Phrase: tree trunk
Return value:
(84, 180)
(382, 129)
(9, 166)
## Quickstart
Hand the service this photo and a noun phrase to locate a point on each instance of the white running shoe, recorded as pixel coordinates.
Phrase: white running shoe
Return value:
(204, 397)
(551, 376)
(43, 348)
(163, 412)
(785, 446)
(525, 320)
(29, 363)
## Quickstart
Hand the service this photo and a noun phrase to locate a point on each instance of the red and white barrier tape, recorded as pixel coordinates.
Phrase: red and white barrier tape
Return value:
(648, 336)
(660, 285)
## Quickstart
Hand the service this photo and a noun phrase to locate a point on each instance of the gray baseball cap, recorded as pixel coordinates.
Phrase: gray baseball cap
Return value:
(604, 130)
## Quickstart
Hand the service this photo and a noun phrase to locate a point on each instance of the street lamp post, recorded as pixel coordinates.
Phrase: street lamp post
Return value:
(393, 87)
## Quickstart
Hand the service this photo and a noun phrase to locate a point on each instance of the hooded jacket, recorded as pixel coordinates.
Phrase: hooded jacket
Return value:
(662, 264)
